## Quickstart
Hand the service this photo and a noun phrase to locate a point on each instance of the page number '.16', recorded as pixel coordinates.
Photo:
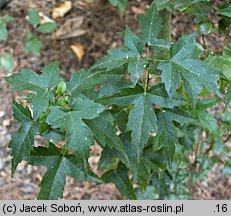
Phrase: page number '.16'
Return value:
(221, 208)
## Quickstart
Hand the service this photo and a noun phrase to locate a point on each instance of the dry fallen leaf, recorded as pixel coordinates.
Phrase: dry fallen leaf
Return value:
(137, 10)
(45, 18)
(62, 10)
(70, 29)
(6, 123)
(78, 49)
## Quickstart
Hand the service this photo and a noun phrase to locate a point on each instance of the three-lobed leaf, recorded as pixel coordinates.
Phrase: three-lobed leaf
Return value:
(59, 166)
(150, 25)
(120, 178)
(104, 131)
(185, 65)
(22, 142)
(167, 131)
(40, 85)
(223, 63)
(84, 80)
(130, 54)
(142, 118)
(78, 135)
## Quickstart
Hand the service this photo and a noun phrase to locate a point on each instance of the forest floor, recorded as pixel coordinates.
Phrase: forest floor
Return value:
(99, 28)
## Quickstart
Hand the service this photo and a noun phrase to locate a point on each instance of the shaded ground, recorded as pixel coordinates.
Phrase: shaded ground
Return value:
(101, 23)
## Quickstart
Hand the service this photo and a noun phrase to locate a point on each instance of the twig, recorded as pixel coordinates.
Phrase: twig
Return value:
(147, 74)
(227, 138)
(208, 150)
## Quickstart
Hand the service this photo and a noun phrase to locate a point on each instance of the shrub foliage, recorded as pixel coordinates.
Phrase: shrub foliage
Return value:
(146, 104)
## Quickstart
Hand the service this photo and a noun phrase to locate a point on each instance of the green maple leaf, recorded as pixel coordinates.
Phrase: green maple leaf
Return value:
(136, 68)
(183, 5)
(119, 57)
(185, 65)
(115, 58)
(225, 12)
(137, 64)
(204, 118)
(83, 80)
(142, 118)
(130, 54)
(119, 177)
(223, 63)
(39, 85)
(167, 131)
(132, 41)
(59, 166)
(139, 169)
(78, 135)
(207, 121)
(111, 88)
(162, 4)
(104, 131)
(228, 96)
(22, 142)
(150, 25)
(180, 5)
(110, 158)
